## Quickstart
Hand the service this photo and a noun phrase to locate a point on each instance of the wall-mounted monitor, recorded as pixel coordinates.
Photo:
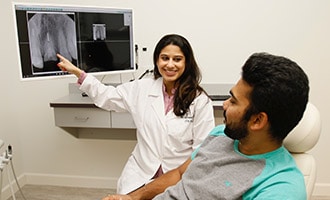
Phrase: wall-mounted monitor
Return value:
(97, 40)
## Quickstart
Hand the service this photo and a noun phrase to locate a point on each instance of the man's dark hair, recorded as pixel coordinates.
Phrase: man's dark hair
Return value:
(280, 89)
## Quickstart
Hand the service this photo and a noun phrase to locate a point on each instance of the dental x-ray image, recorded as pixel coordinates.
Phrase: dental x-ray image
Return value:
(49, 34)
(99, 32)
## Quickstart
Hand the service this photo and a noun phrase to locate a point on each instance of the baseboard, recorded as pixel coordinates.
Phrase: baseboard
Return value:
(7, 190)
(58, 180)
(321, 189)
(71, 181)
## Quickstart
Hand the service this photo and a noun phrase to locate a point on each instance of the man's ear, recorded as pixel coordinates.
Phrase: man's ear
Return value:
(258, 121)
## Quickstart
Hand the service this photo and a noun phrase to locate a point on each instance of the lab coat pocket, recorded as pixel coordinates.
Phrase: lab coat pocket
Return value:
(180, 133)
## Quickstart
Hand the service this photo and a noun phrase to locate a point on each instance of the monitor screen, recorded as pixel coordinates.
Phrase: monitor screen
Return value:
(97, 40)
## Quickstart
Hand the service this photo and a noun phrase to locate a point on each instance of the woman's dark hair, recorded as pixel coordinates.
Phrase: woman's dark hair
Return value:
(280, 89)
(188, 83)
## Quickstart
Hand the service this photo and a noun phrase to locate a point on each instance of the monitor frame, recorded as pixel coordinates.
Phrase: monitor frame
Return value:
(98, 39)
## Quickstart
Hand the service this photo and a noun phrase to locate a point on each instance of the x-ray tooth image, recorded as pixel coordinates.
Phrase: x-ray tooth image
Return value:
(98, 56)
(99, 32)
(51, 33)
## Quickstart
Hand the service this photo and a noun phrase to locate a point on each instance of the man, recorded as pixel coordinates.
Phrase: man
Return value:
(245, 159)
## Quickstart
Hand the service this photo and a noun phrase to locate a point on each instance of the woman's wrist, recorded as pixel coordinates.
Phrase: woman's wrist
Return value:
(78, 72)
(81, 76)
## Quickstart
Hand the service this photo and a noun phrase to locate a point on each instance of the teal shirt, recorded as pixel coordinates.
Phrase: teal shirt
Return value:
(220, 171)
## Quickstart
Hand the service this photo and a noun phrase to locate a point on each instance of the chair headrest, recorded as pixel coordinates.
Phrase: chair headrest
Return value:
(306, 134)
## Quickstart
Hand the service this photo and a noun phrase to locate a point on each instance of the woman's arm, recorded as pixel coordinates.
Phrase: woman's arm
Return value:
(155, 187)
(66, 65)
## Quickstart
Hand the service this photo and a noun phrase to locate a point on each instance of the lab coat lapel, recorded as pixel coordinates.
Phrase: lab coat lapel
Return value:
(158, 101)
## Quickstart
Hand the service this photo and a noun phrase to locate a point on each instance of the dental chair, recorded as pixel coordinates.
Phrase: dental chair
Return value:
(303, 138)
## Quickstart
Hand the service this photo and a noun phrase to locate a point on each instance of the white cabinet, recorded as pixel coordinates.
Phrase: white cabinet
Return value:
(79, 112)
(122, 120)
(82, 117)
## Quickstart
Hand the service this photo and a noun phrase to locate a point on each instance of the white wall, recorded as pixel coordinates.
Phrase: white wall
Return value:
(222, 33)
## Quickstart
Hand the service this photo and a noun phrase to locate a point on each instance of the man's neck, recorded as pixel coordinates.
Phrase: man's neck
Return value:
(249, 147)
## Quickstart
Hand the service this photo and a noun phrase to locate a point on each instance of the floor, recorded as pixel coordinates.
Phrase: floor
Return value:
(38, 192)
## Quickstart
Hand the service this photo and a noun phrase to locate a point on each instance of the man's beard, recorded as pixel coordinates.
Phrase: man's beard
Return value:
(236, 131)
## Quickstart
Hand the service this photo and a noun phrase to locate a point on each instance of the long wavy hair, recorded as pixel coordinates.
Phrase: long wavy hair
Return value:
(188, 85)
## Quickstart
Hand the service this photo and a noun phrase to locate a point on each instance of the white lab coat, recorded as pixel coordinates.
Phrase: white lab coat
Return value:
(165, 140)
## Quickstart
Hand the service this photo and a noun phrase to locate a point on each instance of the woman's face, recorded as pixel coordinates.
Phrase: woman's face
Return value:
(171, 64)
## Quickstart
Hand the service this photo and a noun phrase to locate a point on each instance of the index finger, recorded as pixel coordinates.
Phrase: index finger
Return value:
(60, 57)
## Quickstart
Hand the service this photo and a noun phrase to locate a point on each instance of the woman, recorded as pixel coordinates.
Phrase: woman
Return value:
(172, 112)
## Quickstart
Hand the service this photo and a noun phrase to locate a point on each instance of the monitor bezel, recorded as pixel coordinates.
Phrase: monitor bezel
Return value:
(74, 8)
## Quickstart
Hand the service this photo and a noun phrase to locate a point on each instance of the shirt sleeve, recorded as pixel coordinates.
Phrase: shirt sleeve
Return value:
(82, 78)
(218, 130)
